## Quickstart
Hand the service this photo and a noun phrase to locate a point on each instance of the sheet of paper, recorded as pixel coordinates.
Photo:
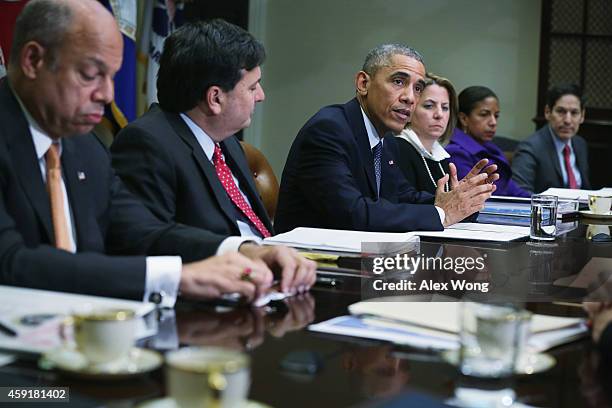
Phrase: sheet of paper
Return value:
(343, 240)
(443, 316)
(576, 194)
(20, 302)
(272, 295)
(510, 198)
(486, 232)
(546, 340)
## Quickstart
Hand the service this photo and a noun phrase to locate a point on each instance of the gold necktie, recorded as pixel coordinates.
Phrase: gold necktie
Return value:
(56, 198)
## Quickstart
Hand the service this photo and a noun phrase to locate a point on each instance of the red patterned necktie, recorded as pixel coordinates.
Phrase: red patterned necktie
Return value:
(225, 176)
(571, 178)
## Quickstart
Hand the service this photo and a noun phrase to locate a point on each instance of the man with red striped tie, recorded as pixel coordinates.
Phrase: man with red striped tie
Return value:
(182, 157)
(555, 156)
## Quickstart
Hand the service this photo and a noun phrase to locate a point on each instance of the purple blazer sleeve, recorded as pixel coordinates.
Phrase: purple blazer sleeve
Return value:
(514, 190)
(462, 159)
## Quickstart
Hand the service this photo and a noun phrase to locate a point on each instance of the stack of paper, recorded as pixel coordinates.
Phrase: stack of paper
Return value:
(521, 207)
(435, 325)
(351, 241)
(344, 240)
(35, 316)
(508, 206)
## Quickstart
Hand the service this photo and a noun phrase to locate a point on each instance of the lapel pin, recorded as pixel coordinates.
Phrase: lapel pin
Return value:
(391, 162)
(81, 175)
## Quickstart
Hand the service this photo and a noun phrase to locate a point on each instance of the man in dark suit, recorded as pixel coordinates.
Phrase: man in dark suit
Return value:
(555, 156)
(62, 209)
(341, 171)
(182, 158)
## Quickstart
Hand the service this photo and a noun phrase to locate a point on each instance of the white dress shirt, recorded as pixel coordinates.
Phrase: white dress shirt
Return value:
(208, 146)
(374, 138)
(559, 146)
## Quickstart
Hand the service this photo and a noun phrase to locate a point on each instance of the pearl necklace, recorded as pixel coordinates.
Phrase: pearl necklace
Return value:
(446, 187)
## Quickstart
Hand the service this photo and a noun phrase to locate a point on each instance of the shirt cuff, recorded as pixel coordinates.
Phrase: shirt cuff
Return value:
(163, 276)
(230, 244)
(442, 215)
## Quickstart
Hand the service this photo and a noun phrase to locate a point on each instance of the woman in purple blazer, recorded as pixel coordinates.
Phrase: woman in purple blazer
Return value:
(471, 140)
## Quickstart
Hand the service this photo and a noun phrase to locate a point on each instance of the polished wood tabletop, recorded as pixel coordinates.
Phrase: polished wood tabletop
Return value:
(293, 367)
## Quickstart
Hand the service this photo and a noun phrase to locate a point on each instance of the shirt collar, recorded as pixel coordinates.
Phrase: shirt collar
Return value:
(437, 151)
(559, 144)
(373, 136)
(205, 141)
(42, 141)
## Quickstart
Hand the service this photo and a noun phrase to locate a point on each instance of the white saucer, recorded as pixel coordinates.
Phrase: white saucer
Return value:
(71, 362)
(169, 402)
(591, 214)
(528, 364)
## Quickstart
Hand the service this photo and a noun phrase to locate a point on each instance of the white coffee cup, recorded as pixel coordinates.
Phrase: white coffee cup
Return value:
(599, 204)
(103, 335)
(207, 377)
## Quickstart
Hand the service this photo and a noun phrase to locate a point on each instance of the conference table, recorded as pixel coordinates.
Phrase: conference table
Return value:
(294, 367)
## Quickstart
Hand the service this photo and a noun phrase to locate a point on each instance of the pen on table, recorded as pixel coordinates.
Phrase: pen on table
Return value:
(322, 280)
(6, 329)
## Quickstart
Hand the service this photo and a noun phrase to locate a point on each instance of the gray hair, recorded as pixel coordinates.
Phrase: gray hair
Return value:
(45, 21)
(381, 56)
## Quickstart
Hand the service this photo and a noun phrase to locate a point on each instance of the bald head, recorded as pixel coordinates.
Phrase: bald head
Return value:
(92, 18)
(65, 55)
(50, 22)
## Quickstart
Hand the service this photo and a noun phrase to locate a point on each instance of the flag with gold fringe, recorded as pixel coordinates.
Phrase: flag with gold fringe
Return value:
(123, 108)
(160, 19)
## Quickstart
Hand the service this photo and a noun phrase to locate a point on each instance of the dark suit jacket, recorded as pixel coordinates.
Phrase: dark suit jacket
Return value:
(535, 165)
(605, 344)
(329, 181)
(161, 161)
(413, 168)
(107, 219)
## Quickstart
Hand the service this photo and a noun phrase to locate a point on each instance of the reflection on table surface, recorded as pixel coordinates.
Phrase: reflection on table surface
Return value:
(292, 367)
(243, 328)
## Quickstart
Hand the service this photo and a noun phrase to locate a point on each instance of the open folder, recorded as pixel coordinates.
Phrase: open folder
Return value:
(435, 325)
(35, 316)
(443, 315)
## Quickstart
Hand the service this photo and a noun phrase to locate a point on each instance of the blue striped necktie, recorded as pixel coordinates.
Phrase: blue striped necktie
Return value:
(377, 152)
